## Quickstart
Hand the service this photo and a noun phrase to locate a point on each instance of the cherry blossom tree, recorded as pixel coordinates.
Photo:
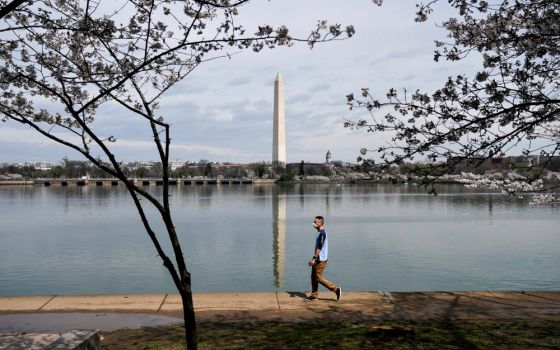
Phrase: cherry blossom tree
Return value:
(60, 61)
(511, 104)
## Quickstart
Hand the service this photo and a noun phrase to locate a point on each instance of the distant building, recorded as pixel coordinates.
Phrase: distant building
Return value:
(43, 166)
(35, 165)
(75, 164)
(174, 165)
(328, 157)
(481, 164)
(141, 164)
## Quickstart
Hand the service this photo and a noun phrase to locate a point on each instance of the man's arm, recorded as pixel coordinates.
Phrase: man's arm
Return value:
(317, 252)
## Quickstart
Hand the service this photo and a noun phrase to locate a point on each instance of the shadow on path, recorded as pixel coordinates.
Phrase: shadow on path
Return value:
(63, 322)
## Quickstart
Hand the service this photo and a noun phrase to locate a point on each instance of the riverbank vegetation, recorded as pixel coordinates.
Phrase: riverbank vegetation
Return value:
(341, 335)
(314, 172)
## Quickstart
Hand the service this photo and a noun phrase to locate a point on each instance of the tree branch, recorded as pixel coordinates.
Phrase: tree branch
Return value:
(4, 11)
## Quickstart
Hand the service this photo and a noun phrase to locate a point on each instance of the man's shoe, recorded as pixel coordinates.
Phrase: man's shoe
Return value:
(338, 293)
(311, 298)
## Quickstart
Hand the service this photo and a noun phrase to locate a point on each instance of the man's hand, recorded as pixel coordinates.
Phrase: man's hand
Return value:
(312, 262)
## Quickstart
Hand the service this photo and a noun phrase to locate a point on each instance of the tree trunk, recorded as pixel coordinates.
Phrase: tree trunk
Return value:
(188, 312)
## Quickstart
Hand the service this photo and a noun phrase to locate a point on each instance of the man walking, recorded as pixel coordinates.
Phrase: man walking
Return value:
(319, 262)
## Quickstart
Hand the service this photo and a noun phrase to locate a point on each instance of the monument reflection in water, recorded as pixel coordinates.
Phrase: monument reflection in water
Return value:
(278, 235)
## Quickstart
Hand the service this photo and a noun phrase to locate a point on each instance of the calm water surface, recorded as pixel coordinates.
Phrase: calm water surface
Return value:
(259, 238)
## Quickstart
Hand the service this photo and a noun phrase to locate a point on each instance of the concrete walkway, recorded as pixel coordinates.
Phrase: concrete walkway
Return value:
(290, 306)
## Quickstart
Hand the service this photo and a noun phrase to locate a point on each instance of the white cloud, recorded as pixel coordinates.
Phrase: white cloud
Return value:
(24, 136)
(205, 149)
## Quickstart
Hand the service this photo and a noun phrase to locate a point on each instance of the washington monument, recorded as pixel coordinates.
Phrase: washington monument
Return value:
(279, 130)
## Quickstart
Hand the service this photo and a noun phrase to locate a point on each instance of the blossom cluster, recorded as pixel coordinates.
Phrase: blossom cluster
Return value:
(512, 184)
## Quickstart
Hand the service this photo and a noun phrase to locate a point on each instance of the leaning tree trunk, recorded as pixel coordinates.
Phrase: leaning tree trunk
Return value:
(180, 275)
(191, 333)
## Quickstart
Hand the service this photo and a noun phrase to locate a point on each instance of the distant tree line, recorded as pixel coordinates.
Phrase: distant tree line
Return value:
(77, 169)
(65, 169)
(523, 165)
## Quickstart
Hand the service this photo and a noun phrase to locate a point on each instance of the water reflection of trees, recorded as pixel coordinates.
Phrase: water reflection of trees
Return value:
(17, 192)
(261, 194)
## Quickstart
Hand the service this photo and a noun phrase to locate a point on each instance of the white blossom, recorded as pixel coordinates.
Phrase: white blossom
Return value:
(512, 184)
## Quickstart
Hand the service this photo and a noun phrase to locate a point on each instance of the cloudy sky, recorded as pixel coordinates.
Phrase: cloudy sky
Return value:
(223, 110)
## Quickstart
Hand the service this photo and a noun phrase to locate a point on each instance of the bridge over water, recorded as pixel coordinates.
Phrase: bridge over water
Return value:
(139, 182)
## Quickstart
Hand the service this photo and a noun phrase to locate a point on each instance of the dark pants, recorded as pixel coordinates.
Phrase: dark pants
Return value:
(317, 277)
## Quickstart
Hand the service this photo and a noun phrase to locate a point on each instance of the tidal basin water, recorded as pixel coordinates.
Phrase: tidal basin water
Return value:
(89, 240)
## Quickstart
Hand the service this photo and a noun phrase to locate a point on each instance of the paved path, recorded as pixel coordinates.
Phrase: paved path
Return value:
(290, 306)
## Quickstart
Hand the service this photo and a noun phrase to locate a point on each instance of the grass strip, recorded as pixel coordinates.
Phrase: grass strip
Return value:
(541, 334)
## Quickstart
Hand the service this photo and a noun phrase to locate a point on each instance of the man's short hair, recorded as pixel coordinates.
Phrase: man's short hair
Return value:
(319, 217)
